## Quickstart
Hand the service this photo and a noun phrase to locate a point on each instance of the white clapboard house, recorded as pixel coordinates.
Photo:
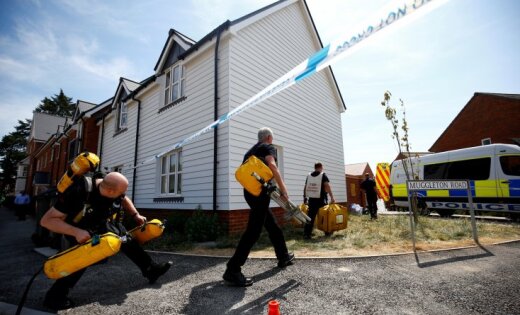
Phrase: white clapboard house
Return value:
(196, 82)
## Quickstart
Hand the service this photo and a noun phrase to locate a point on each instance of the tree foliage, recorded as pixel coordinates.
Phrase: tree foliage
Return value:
(59, 105)
(12, 151)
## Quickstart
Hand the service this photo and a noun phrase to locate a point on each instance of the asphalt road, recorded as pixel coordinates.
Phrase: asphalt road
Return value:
(468, 281)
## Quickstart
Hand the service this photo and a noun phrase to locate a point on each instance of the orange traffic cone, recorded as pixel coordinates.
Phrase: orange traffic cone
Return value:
(274, 308)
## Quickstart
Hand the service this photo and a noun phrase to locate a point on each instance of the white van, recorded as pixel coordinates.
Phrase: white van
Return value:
(493, 171)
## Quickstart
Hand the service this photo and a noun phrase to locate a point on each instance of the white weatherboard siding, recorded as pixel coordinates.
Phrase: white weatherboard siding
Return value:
(305, 118)
(119, 149)
(160, 130)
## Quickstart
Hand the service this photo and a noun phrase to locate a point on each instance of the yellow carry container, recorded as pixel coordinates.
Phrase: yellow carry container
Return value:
(244, 175)
(332, 218)
(81, 256)
(148, 231)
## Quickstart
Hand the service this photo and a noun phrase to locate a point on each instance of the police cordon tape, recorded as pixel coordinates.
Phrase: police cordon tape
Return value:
(320, 60)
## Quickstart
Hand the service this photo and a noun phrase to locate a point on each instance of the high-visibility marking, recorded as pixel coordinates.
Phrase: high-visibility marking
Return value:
(383, 181)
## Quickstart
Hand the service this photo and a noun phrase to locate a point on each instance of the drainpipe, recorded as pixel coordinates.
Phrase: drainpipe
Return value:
(102, 139)
(215, 117)
(136, 144)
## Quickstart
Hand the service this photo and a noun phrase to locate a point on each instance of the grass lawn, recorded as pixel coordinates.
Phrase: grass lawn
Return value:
(389, 234)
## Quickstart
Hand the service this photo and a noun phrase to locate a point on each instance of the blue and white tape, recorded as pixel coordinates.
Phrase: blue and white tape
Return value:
(322, 59)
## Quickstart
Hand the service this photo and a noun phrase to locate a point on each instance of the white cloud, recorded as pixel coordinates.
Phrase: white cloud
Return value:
(36, 41)
(110, 70)
(19, 71)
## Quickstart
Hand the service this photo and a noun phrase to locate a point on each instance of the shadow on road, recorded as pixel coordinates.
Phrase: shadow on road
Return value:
(486, 253)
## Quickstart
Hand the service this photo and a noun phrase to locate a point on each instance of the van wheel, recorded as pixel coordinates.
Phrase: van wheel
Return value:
(515, 217)
(445, 213)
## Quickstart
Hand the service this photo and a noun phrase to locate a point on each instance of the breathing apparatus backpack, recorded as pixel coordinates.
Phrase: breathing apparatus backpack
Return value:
(82, 164)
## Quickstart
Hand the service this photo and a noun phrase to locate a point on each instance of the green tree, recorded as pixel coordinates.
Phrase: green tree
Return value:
(12, 151)
(59, 104)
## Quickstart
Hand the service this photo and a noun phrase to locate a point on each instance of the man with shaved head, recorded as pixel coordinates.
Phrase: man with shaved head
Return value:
(95, 206)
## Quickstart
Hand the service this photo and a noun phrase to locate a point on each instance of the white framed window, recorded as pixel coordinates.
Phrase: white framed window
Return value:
(485, 141)
(122, 115)
(170, 182)
(174, 87)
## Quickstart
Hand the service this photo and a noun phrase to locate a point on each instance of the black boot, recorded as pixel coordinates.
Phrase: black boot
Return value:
(156, 270)
(236, 278)
(286, 261)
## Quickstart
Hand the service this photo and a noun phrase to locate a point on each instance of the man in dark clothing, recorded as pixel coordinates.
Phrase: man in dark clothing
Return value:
(95, 206)
(369, 186)
(315, 195)
(260, 215)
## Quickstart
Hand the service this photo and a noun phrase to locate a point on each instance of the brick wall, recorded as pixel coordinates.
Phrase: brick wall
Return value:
(485, 116)
(235, 221)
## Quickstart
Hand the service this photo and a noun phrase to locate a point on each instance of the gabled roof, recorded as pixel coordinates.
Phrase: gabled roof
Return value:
(173, 37)
(356, 169)
(44, 125)
(511, 96)
(98, 108)
(234, 26)
(81, 108)
(125, 86)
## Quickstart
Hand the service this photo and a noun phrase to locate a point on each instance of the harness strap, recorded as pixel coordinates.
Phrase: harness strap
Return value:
(88, 188)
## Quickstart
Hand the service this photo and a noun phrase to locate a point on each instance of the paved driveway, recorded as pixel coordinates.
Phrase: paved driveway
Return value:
(469, 281)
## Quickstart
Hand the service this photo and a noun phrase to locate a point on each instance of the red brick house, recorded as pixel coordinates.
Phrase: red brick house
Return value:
(49, 159)
(43, 128)
(486, 118)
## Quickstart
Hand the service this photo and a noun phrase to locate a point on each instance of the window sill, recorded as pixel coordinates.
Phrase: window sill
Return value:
(168, 200)
(120, 131)
(172, 104)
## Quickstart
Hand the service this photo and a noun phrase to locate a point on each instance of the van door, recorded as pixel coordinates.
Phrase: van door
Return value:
(508, 175)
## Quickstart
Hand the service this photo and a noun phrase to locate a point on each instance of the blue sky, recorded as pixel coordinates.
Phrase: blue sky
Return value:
(434, 64)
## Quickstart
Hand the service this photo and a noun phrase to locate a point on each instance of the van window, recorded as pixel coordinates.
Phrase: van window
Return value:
(510, 165)
(435, 171)
(476, 169)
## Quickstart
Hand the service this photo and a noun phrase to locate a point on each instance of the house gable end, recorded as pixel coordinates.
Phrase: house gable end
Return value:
(256, 16)
(175, 45)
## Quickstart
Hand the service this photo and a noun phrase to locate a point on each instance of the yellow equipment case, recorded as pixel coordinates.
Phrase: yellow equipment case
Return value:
(332, 218)
(244, 175)
(148, 231)
(81, 256)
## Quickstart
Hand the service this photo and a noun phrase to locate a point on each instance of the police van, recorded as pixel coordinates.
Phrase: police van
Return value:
(493, 172)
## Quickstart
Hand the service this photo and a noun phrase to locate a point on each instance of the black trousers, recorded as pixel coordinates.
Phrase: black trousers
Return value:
(259, 216)
(372, 206)
(314, 206)
(60, 289)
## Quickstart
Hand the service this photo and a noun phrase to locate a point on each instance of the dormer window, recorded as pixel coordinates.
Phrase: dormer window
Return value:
(174, 87)
(122, 116)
